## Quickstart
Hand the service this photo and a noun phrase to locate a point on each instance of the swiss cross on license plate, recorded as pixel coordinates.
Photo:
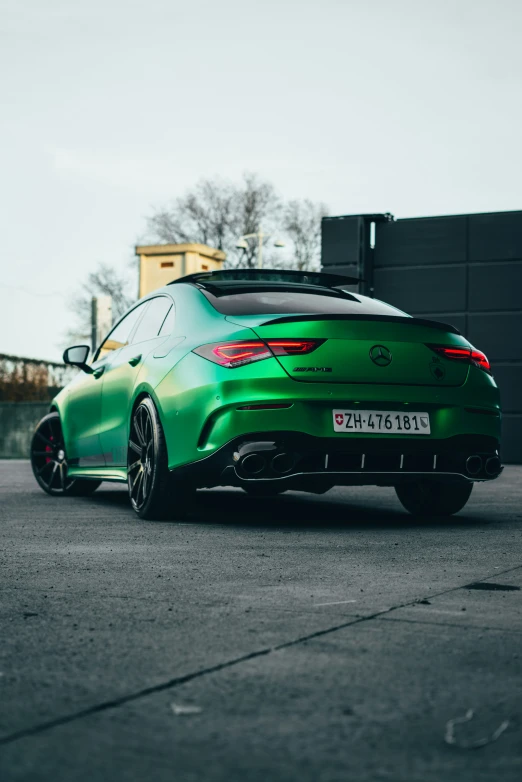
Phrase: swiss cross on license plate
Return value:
(381, 422)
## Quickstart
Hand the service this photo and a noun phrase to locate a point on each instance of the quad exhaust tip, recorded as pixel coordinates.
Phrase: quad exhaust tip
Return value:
(283, 463)
(474, 464)
(493, 465)
(253, 463)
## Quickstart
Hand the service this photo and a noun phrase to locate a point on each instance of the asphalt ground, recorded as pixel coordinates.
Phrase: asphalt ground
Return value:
(297, 638)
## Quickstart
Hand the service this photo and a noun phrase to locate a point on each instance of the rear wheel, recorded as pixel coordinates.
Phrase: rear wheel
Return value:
(49, 461)
(430, 498)
(153, 493)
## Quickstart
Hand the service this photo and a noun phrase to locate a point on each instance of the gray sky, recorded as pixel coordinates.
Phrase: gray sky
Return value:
(113, 107)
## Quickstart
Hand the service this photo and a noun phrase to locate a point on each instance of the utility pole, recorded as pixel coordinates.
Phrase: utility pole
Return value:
(260, 236)
(101, 319)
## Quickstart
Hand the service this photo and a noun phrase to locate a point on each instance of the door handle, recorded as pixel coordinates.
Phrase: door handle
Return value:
(135, 360)
(99, 372)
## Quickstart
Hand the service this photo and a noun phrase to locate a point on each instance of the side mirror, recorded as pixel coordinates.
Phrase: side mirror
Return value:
(77, 357)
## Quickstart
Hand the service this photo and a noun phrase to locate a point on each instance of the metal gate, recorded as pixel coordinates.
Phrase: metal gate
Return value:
(462, 269)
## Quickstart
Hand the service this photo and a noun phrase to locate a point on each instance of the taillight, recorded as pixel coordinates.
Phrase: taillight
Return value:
(480, 360)
(467, 355)
(293, 347)
(237, 354)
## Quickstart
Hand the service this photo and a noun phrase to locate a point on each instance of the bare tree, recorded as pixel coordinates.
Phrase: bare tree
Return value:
(104, 281)
(203, 214)
(218, 212)
(302, 223)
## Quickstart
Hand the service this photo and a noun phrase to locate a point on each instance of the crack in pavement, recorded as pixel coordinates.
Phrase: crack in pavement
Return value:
(178, 680)
(479, 628)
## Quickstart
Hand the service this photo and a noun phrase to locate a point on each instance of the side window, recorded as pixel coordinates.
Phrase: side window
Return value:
(168, 323)
(152, 321)
(119, 336)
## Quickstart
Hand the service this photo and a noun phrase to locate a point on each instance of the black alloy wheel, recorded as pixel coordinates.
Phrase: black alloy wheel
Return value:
(153, 492)
(433, 498)
(49, 461)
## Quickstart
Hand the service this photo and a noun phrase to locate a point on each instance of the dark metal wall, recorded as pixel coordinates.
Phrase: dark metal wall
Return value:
(463, 269)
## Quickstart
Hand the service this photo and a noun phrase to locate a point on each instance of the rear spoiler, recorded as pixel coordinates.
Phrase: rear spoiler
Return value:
(406, 321)
(292, 276)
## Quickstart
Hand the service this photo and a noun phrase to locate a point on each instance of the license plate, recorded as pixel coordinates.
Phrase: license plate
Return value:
(381, 422)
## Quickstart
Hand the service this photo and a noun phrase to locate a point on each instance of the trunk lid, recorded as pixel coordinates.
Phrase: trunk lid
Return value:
(366, 349)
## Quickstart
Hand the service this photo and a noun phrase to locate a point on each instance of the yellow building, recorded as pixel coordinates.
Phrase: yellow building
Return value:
(162, 263)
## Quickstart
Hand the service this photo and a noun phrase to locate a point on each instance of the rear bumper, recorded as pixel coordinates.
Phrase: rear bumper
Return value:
(293, 460)
(202, 408)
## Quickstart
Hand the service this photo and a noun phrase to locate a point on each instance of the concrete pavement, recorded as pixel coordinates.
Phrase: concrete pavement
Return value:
(302, 637)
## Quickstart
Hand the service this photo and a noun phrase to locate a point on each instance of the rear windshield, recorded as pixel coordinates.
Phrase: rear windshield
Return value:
(298, 302)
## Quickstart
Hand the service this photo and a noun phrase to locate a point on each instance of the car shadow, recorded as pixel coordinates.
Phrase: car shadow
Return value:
(297, 510)
(309, 511)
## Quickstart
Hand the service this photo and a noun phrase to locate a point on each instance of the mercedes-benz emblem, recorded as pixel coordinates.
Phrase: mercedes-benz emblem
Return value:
(380, 355)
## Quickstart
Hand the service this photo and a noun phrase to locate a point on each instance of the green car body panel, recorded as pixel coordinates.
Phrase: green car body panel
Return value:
(198, 400)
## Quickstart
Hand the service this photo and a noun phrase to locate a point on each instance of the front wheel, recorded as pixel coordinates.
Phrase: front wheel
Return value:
(431, 498)
(49, 461)
(153, 493)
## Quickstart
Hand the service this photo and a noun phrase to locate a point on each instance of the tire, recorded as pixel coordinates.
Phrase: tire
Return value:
(431, 498)
(262, 490)
(49, 461)
(154, 494)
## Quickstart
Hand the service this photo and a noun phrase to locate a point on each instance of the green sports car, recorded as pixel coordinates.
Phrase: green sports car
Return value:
(272, 380)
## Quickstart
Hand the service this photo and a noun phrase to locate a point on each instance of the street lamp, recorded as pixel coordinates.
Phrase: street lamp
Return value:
(242, 244)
